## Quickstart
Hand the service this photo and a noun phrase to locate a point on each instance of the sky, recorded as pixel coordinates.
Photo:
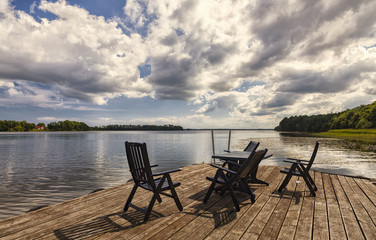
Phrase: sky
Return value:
(196, 64)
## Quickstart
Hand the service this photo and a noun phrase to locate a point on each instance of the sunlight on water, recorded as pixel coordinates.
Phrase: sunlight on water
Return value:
(46, 168)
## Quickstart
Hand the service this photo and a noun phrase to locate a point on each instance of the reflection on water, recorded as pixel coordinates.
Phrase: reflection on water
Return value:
(51, 167)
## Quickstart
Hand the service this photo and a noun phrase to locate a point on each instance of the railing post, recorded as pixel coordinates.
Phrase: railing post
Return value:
(212, 134)
(229, 140)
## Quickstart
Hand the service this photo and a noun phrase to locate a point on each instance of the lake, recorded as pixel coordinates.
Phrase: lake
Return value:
(45, 168)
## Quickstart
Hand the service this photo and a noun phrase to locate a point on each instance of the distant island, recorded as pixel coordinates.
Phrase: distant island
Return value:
(67, 125)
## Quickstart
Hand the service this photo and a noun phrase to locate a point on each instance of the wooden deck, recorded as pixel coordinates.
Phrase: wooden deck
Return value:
(344, 207)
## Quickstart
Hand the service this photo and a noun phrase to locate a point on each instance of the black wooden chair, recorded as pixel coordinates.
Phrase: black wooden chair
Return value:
(300, 168)
(235, 180)
(143, 177)
(252, 146)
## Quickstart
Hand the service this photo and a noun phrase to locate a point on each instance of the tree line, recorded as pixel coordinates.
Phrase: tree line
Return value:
(67, 125)
(18, 126)
(361, 117)
(117, 127)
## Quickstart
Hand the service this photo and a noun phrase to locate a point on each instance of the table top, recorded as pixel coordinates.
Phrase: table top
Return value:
(235, 155)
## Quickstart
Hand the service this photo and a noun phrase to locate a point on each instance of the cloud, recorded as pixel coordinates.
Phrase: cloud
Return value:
(77, 53)
(305, 54)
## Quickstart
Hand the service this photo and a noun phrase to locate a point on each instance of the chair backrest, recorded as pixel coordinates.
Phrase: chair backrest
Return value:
(252, 146)
(138, 161)
(251, 163)
(313, 156)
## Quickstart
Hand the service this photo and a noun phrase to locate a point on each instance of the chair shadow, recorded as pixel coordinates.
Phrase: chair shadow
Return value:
(297, 196)
(222, 216)
(105, 224)
(198, 195)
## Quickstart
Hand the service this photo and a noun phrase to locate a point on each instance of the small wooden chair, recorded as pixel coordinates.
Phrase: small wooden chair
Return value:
(143, 177)
(236, 180)
(300, 168)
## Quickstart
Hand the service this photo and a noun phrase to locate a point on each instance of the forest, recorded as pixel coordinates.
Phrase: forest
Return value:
(138, 127)
(362, 117)
(67, 125)
(18, 126)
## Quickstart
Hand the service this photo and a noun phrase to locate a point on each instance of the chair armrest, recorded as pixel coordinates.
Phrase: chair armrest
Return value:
(295, 159)
(295, 162)
(233, 163)
(166, 172)
(229, 161)
(223, 168)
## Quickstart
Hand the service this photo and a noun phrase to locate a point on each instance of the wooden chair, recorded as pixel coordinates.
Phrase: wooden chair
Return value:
(143, 177)
(253, 176)
(300, 168)
(235, 180)
(252, 146)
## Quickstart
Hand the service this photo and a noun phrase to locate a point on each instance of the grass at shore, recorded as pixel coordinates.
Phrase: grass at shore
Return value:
(367, 136)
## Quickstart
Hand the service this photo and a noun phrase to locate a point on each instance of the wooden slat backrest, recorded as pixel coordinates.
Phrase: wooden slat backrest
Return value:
(252, 146)
(312, 157)
(251, 163)
(138, 161)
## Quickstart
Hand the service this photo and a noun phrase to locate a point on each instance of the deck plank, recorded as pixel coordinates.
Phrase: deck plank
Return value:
(350, 222)
(263, 211)
(336, 227)
(365, 221)
(305, 222)
(320, 221)
(366, 202)
(251, 212)
(344, 207)
(275, 221)
(290, 223)
(368, 189)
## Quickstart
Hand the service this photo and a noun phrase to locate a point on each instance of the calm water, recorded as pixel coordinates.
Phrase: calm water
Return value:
(51, 167)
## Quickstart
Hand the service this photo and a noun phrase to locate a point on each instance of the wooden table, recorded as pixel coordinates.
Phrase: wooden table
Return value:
(241, 156)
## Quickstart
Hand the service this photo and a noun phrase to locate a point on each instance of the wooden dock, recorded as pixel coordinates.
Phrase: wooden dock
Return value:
(344, 207)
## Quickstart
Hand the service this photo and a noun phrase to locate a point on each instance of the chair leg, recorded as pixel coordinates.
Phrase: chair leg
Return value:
(312, 182)
(248, 191)
(173, 192)
(126, 206)
(288, 177)
(228, 185)
(285, 182)
(155, 196)
(303, 169)
(305, 177)
(158, 197)
(212, 185)
(253, 178)
(150, 207)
